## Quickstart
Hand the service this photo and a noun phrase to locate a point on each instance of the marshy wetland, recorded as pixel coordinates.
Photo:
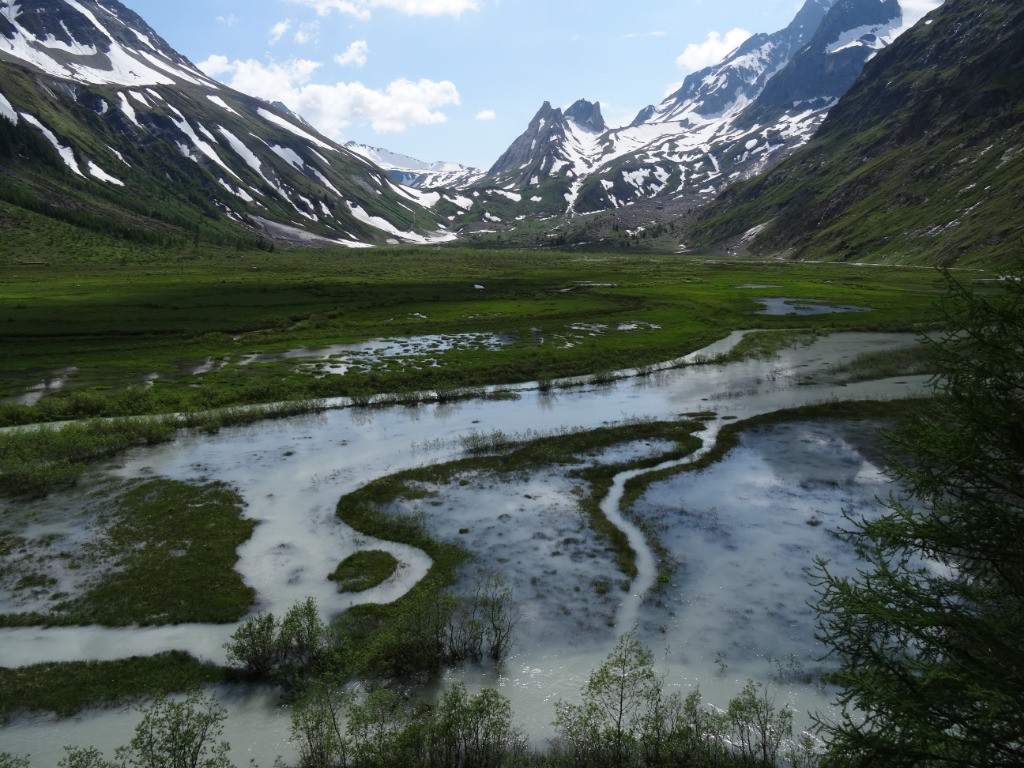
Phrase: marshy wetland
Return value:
(591, 430)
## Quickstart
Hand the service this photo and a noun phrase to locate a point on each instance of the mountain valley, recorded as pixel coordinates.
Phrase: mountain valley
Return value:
(131, 138)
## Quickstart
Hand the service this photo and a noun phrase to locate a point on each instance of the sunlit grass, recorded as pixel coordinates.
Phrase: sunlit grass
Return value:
(122, 325)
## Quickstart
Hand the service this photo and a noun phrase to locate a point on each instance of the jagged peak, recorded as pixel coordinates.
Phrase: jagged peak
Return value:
(587, 115)
(643, 116)
(546, 113)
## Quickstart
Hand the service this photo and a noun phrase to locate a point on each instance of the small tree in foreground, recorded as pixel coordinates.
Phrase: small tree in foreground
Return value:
(625, 719)
(929, 637)
(171, 734)
(178, 734)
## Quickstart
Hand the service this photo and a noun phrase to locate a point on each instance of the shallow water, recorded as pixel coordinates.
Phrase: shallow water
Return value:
(291, 474)
(54, 380)
(784, 306)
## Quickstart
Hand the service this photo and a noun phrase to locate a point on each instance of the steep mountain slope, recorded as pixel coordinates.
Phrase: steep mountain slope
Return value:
(725, 123)
(103, 124)
(921, 162)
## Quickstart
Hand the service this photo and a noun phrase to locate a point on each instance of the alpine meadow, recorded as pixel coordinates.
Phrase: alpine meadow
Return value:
(689, 438)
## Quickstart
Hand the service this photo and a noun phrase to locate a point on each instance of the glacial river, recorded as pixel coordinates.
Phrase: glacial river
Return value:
(742, 533)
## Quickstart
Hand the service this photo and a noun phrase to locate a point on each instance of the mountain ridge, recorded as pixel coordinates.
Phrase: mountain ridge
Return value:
(134, 123)
(724, 123)
(923, 157)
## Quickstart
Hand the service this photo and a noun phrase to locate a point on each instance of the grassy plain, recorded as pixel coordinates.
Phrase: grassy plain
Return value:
(168, 331)
(136, 323)
(67, 688)
(167, 556)
(364, 570)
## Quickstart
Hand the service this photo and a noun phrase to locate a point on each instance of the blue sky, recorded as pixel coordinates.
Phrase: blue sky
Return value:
(455, 80)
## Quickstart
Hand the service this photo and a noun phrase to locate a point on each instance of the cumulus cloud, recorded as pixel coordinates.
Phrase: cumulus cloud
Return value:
(355, 55)
(486, 115)
(333, 107)
(715, 48)
(363, 9)
(279, 30)
(307, 33)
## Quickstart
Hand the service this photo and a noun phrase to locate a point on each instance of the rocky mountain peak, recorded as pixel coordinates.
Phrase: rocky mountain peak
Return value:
(587, 115)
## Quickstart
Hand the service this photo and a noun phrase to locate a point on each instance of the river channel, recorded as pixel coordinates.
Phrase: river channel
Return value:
(741, 533)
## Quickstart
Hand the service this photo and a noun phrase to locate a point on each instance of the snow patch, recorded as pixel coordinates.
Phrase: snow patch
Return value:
(222, 104)
(7, 110)
(243, 151)
(290, 156)
(292, 128)
(325, 181)
(119, 65)
(102, 175)
(119, 156)
(386, 226)
(128, 109)
(238, 192)
(202, 146)
(426, 199)
(66, 153)
(871, 36)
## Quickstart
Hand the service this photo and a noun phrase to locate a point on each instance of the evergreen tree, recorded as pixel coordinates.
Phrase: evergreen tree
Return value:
(929, 637)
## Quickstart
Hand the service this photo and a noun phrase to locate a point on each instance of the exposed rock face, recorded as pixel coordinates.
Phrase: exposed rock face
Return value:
(824, 69)
(587, 115)
(556, 144)
(725, 123)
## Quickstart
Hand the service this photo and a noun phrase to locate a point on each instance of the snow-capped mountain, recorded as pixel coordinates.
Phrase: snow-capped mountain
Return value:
(555, 142)
(920, 162)
(418, 174)
(725, 123)
(93, 94)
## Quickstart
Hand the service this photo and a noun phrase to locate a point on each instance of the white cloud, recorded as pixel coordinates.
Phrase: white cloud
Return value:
(362, 9)
(229, 20)
(656, 33)
(355, 55)
(915, 10)
(268, 82)
(279, 30)
(333, 107)
(711, 51)
(486, 115)
(307, 33)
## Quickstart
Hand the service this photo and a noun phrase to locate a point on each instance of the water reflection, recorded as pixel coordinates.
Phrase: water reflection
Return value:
(738, 533)
(784, 306)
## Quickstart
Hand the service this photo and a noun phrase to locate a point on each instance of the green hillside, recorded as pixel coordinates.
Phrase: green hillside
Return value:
(922, 162)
